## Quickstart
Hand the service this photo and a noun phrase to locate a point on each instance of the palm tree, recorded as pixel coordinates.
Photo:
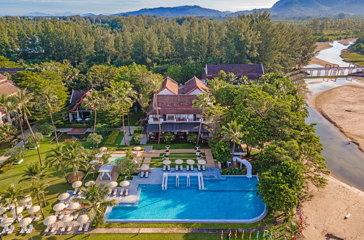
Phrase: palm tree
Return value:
(94, 203)
(121, 94)
(233, 133)
(23, 101)
(37, 190)
(57, 157)
(7, 105)
(19, 113)
(156, 85)
(76, 156)
(53, 105)
(33, 172)
(94, 102)
(11, 196)
(203, 102)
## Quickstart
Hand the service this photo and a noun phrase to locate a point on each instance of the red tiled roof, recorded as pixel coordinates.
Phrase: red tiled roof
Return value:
(2, 77)
(77, 98)
(252, 71)
(191, 85)
(171, 85)
(174, 104)
(7, 88)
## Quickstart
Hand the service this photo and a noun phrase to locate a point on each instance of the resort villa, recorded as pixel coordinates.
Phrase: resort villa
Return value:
(7, 88)
(176, 111)
(251, 71)
(76, 112)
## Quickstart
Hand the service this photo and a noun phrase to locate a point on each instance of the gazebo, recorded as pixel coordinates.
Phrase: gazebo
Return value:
(105, 171)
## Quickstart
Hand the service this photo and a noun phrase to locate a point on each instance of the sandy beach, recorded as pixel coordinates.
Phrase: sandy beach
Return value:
(319, 47)
(324, 213)
(344, 107)
(322, 46)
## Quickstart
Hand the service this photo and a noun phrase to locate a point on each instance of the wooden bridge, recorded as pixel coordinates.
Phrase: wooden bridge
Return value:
(333, 70)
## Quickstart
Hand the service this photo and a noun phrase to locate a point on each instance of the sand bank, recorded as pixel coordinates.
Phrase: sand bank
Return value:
(319, 61)
(322, 46)
(324, 213)
(347, 41)
(344, 107)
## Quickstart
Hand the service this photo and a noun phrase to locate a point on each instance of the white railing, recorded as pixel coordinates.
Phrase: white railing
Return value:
(199, 176)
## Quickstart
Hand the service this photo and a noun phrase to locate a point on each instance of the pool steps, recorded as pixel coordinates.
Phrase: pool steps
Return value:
(182, 180)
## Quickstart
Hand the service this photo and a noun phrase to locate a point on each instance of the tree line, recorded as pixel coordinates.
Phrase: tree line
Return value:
(156, 42)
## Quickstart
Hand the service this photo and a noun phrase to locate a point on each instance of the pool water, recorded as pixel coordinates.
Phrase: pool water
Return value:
(232, 200)
(114, 158)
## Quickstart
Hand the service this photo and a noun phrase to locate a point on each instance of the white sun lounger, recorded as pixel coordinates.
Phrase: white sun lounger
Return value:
(188, 168)
(199, 167)
(126, 192)
(54, 228)
(22, 230)
(80, 228)
(203, 168)
(36, 218)
(63, 229)
(47, 229)
(11, 229)
(169, 167)
(142, 174)
(191, 167)
(164, 167)
(69, 227)
(147, 174)
(87, 227)
(114, 192)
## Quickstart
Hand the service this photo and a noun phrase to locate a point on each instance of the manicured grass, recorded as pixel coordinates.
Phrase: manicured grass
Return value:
(158, 161)
(353, 58)
(4, 147)
(114, 138)
(177, 146)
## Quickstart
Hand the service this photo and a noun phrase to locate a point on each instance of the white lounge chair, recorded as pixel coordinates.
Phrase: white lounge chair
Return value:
(187, 167)
(5, 230)
(54, 228)
(126, 192)
(169, 167)
(75, 191)
(199, 167)
(114, 192)
(63, 229)
(61, 215)
(142, 174)
(191, 167)
(30, 229)
(47, 229)
(80, 228)
(164, 167)
(11, 229)
(69, 227)
(36, 218)
(20, 216)
(147, 174)
(75, 216)
(22, 230)
(203, 168)
(87, 227)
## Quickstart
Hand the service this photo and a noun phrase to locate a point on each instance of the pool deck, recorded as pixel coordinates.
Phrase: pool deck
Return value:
(155, 177)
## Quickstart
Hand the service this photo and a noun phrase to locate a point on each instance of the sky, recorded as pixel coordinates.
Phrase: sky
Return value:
(23, 7)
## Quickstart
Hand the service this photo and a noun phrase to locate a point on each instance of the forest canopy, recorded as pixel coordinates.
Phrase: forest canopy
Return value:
(157, 42)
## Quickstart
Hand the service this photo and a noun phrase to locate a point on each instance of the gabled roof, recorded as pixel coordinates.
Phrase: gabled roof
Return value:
(193, 84)
(2, 78)
(7, 88)
(174, 104)
(76, 99)
(170, 85)
(252, 71)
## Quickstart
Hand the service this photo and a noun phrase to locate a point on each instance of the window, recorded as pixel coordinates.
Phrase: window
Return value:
(181, 117)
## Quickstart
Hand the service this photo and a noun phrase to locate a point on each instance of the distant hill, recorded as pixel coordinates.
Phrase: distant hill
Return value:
(181, 11)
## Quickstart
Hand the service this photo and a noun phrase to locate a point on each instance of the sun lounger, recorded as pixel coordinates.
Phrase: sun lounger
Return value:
(142, 174)
(87, 227)
(60, 216)
(30, 229)
(69, 227)
(80, 228)
(11, 229)
(191, 167)
(4, 231)
(22, 230)
(47, 229)
(75, 216)
(126, 192)
(169, 167)
(114, 192)
(147, 174)
(199, 167)
(188, 168)
(36, 218)
(75, 191)
(20, 217)
(203, 168)
(164, 167)
(63, 229)
(54, 228)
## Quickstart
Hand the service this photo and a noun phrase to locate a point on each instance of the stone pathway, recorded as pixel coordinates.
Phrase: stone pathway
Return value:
(169, 230)
(128, 136)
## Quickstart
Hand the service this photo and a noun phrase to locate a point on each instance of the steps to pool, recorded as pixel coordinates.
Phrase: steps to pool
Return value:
(182, 180)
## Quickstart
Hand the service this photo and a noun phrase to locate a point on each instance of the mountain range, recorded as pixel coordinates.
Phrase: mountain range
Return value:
(281, 9)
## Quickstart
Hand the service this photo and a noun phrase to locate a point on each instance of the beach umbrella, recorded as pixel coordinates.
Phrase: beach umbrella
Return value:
(90, 183)
(94, 162)
(25, 222)
(111, 184)
(99, 155)
(77, 184)
(59, 207)
(50, 220)
(18, 210)
(7, 222)
(63, 196)
(67, 219)
(26, 199)
(124, 183)
(83, 219)
(74, 206)
(137, 148)
(103, 149)
(34, 209)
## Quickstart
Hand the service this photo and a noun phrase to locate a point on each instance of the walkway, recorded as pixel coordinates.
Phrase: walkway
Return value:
(128, 136)
(171, 230)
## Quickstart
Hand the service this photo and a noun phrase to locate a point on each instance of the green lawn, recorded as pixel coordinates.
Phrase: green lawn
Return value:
(4, 147)
(158, 161)
(177, 146)
(355, 58)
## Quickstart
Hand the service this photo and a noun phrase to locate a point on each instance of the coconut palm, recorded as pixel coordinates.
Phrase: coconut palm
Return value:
(76, 157)
(233, 133)
(23, 101)
(53, 106)
(156, 85)
(37, 190)
(11, 196)
(121, 94)
(203, 102)
(34, 172)
(57, 157)
(94, 101)
(94, 203)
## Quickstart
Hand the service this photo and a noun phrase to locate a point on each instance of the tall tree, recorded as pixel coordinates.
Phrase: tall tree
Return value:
(57, 157)
(203, 102)
(233, 133)
(94, 101)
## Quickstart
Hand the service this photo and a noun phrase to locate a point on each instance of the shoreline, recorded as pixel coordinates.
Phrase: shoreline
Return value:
(322, 101)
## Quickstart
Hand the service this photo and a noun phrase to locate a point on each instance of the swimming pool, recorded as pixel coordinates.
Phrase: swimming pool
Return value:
(232, 200)
(114, 158)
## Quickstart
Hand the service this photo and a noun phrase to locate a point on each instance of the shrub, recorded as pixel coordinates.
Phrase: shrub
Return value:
(168, 137)
(45, 128)
(30, 141)
(94, 138)
(112, 137)
(102, 129)
(135, 140)
(221, 151)
(192, 138)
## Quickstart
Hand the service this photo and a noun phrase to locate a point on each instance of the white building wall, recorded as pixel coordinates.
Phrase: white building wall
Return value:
(166, 92)
(195, 92)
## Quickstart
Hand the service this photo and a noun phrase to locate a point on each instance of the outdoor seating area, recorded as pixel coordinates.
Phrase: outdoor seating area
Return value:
(189, 164)
(17, 212)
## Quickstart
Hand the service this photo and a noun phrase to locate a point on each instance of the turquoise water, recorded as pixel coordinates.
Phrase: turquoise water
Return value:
(230, 200)
(113, 160)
